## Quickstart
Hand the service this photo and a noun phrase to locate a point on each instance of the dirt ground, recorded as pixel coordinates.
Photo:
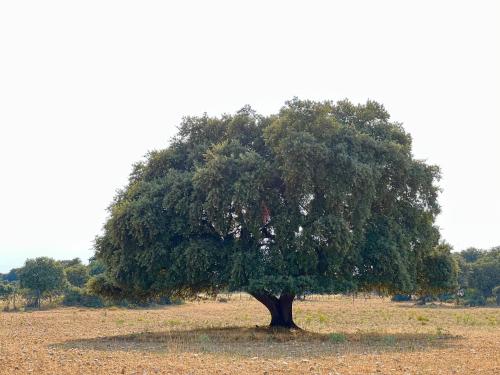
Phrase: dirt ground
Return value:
(341, 336)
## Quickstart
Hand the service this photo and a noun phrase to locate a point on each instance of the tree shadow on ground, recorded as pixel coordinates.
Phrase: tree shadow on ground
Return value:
(263, 342)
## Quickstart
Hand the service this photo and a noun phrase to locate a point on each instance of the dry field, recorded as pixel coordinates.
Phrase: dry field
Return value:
(341, 336)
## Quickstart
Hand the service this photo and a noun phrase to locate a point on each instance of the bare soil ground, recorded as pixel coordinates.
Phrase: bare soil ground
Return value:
(341, 336)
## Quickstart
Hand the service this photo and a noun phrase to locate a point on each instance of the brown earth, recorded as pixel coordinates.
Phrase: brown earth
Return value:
(341, 336)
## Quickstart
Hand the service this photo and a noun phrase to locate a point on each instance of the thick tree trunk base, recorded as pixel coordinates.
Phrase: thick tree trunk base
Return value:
(283, 325)
(279, 308)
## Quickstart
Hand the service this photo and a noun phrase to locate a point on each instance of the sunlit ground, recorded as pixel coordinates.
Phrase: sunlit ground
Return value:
(340, 336)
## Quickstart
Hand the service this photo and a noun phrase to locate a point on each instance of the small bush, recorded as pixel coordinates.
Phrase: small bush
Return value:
(75, 296)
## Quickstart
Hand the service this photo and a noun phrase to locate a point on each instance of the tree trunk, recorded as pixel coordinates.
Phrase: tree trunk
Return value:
(279, 308)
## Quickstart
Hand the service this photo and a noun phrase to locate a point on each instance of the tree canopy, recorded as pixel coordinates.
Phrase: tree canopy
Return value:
(479, 273)
(321, 197)
(440, 272)
(77, 275)
(42, 276)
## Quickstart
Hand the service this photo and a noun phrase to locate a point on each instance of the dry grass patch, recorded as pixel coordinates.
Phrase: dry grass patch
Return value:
(339, 337)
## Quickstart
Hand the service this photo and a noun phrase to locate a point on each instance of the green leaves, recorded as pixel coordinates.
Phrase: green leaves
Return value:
(439, 273)
(234, 183)
(77, 275)
(485, 271)
(42, 276)
(320, 197)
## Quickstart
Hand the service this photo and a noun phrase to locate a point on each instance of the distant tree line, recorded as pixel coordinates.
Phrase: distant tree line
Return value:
(471, 277)
(479, 276)
(67, 282)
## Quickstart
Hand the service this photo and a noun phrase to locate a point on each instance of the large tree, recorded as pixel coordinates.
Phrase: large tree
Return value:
(321, 197)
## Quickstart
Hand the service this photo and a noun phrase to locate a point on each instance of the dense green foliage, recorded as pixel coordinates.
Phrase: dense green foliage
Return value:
(70, 262)
(440, 272)
(11, 276)
(75, 296)
(75, 286)
(96, 267)
(42, 276)
(321, 197)
(77, 275)
(479, 274)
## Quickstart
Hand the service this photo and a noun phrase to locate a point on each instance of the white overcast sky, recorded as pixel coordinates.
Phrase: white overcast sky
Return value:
(88, 87)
